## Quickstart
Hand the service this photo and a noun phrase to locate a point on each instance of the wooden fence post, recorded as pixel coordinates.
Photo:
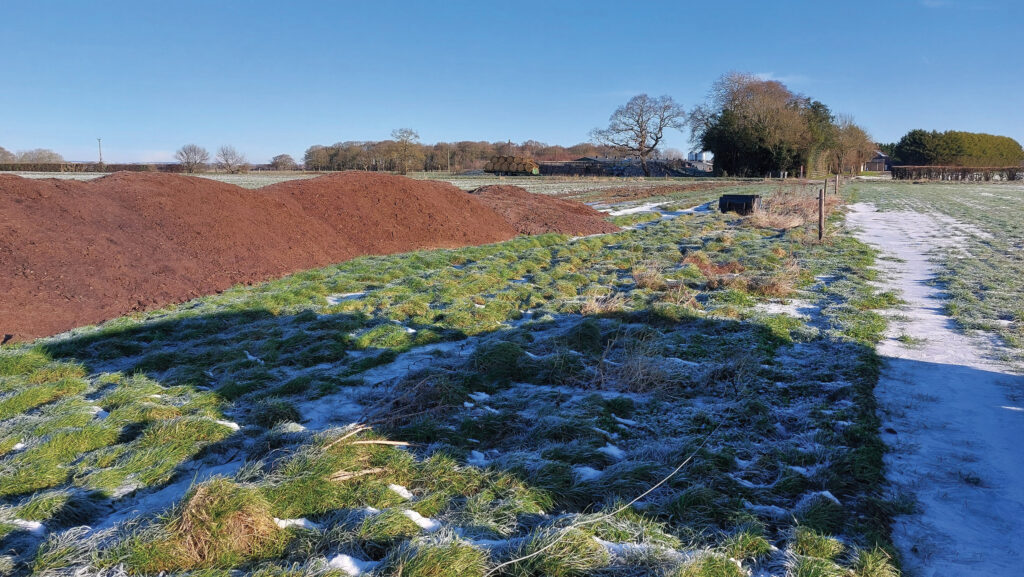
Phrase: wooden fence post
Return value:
(821, 214)
(837, 184)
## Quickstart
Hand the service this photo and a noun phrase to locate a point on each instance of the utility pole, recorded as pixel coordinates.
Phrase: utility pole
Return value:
(99, 143)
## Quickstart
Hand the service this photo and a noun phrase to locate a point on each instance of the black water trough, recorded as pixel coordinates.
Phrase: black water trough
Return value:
(739, 203)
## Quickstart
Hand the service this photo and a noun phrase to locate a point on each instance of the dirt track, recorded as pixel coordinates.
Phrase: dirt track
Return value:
(77, 253)
(950, 417)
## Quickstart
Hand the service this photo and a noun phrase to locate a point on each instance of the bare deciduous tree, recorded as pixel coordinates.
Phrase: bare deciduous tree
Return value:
(639, 127)
(407, 141)
(39, 156)
(192, 157)
(283, 162)
(6, 155)
(230, 160)
(853, 146)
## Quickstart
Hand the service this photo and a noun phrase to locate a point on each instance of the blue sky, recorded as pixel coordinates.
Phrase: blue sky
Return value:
(276, 77)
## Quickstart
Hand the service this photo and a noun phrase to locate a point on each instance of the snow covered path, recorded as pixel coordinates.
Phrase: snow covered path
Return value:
(953, 417)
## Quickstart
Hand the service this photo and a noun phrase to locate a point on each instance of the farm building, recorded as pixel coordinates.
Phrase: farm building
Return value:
(879, 163)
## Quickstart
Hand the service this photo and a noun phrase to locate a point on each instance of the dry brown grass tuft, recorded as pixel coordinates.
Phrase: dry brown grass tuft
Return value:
(779, 284)
(728, 281)
(603, 304)
(647, 275)
(702, 261)
(220, 525)
(635, 364)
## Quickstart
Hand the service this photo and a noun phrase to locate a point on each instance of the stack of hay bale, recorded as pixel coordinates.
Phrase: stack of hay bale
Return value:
(512, 165)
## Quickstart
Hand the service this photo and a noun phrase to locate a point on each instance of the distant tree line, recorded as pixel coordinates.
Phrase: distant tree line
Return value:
(955, 148)
(757, 127)
(36, 156)
(404, 153)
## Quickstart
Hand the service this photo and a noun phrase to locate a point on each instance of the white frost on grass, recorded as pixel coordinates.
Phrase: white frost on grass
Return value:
(401, 491)
(350, 565)
(427, 524)
(301, 523)
(953, 445)
(613, 451)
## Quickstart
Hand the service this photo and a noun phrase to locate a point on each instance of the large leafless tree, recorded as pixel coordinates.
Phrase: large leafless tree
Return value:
(406, 141)
(638, 127)
(6, 155)
(230, 160)
(283, 162)
(192, 157)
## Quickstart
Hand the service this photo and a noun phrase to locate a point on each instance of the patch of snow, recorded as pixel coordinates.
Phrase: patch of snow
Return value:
(252, 357)
(301, 523)
(425, 523)
(18, 446)
(401, 491)
(810, 497)
(33, 527)
(229, 424)
(342, 297)
(490, 409)
(477, 459)
(648, 207)
(479, 396)
(586, 473)
(627, 422)
(944, 398)
(613, 451)
(468, 404)
(350, 565)
(776, 513)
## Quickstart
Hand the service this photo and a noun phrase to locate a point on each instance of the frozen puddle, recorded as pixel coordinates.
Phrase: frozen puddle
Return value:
(949, 416)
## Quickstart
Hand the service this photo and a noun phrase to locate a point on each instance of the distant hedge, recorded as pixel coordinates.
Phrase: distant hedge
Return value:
(86, 167)
(954, 148)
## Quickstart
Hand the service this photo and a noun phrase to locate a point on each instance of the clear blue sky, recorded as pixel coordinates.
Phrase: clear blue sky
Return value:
(276, 77)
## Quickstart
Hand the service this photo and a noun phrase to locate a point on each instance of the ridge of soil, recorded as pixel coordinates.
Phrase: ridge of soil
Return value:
(80, 252)
(532, 213)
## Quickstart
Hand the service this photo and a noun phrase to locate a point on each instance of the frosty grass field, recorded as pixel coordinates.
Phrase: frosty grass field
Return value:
(511, 409)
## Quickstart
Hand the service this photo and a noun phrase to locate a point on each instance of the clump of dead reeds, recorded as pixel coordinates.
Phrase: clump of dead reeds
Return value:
(790, 207)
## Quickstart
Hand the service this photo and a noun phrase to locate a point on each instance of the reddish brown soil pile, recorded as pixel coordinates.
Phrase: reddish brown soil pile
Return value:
(75, 253)
(538, 214)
